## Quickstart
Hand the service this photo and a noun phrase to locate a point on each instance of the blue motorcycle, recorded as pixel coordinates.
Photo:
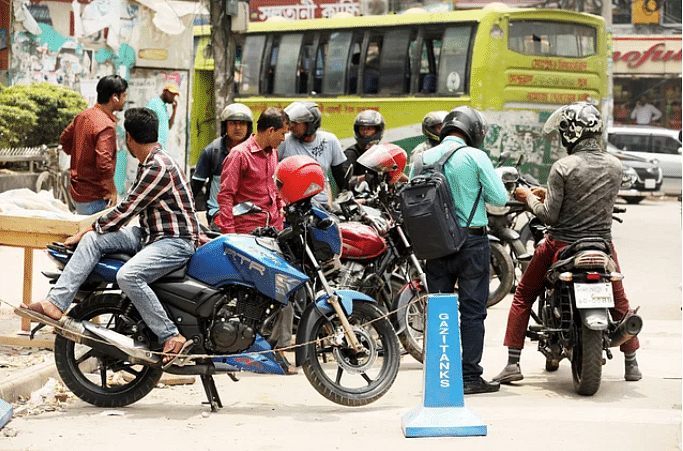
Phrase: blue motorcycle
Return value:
(224, 300)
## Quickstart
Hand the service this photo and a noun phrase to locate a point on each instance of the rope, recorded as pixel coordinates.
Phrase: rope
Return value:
(62, 331)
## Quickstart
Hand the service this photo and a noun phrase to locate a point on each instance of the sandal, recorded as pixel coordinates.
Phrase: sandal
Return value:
(36, 312)
(287, 367)
(174, 347)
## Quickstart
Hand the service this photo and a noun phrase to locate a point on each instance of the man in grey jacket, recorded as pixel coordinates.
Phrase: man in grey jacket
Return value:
(582, 190)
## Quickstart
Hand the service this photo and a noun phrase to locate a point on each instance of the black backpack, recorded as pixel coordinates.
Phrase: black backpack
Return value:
(429, 214)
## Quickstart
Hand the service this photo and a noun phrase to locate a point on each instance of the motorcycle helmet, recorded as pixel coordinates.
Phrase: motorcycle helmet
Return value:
(237, 112)
(307, 112)
(298, 177)
(575, 122)
(467, 121)
(368, 118)
(429, 124)
(385, 158)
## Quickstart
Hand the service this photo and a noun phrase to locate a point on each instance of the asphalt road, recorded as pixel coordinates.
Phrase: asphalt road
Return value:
(540, 412)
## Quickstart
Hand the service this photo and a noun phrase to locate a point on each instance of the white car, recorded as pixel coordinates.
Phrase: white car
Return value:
(652, 143)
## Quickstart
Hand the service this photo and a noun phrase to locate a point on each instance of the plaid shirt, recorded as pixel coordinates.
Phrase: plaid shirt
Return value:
(162, 198)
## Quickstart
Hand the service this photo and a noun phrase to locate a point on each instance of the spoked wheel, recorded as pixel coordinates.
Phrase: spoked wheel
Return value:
(587, 362)
(95, 377)
(410, 321)
(346, 377)
(502, 275)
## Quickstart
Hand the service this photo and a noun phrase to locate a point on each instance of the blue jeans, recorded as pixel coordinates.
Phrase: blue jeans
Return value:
(92, 207)
(469, 269)
(147, 265)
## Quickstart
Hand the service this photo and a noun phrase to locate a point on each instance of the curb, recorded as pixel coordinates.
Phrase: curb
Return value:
(27, 381)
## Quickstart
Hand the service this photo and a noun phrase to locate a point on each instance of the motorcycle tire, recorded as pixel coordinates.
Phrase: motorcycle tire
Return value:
(410, 321)
(93, 376)
(502, 275)
(587, 361)
(343, 376)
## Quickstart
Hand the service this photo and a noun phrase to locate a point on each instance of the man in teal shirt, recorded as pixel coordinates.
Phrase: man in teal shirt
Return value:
(158, 104)
(468, 171)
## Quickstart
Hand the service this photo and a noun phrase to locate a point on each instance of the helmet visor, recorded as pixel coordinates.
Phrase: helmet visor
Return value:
(377, 158)
(553, 122)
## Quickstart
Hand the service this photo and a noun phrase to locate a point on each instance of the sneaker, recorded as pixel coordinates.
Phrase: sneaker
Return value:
(480, 386)
(510, 373)
(632, 372)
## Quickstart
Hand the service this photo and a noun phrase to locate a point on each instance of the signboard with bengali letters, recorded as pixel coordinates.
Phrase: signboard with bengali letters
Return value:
(302, 9)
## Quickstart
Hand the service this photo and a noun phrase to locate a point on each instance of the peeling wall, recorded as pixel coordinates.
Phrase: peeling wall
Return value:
(74, 44)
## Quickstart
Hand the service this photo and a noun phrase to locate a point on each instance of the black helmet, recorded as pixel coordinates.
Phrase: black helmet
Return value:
(575, 122)
(307, 112)
(237, 112)
(429, 123)
(467, 121)
(368, 118)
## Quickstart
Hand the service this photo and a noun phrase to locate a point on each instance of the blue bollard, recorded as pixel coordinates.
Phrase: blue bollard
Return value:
(443, 412)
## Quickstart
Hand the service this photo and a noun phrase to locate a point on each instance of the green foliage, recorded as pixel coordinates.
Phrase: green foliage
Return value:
(31, 115)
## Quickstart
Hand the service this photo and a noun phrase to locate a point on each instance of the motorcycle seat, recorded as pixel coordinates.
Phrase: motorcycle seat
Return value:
(585, 244)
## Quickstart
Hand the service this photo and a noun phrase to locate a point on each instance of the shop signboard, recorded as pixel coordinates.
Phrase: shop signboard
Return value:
(647, 55)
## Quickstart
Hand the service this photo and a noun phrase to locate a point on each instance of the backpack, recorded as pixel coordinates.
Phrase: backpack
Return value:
(429, 214)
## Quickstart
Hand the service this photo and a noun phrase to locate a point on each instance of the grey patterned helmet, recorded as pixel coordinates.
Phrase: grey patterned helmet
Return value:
(575, 122)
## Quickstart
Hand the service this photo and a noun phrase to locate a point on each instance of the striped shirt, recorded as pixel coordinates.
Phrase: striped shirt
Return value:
(161, 196)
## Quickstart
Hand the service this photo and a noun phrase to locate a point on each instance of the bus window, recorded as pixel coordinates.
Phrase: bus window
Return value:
(544, 38)
(395, 62)
(306, 61)
(453, 61)
(271, 64)
(354, 63)
(286, 65)
(334, 70)
(250, 69)
(429, 62)
(371, 68)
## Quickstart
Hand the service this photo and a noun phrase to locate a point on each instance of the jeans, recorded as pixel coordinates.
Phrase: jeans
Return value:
(92, 207)
(531, 285)
(147, 265)
(469, 269)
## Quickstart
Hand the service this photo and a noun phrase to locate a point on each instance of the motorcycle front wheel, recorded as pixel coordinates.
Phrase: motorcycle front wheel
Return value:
(410, 321)
(344, 376)
(587, 361)
(94, 376)
(502, 275)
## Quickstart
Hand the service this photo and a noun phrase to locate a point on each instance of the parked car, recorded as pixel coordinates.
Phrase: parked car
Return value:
(642, 177)
(661, 144)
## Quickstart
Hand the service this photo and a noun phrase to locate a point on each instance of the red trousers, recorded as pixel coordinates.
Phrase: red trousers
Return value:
(531, 286)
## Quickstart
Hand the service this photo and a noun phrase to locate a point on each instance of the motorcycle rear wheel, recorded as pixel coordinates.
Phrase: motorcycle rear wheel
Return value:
(95, 377)
(502, 275)
(587, 361)
(347, 378)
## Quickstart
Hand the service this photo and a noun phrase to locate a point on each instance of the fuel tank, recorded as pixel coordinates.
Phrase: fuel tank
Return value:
(360, 241)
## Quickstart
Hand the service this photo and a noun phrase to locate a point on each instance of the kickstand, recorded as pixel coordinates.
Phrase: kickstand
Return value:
(211, 392)
(36, 329)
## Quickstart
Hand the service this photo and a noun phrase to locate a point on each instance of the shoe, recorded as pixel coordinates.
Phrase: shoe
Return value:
(480, 386)
(510, 373)
(287, 367)
(632, 372)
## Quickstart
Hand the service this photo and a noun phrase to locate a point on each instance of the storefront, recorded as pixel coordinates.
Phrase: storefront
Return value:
(648, 66)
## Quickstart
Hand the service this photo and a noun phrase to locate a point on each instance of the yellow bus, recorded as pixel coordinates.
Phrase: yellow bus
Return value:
(514, 65)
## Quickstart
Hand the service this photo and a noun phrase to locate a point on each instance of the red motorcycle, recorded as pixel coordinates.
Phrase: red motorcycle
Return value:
(377, 258)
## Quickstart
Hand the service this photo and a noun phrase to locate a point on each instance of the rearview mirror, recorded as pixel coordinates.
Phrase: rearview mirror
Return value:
(245, 208)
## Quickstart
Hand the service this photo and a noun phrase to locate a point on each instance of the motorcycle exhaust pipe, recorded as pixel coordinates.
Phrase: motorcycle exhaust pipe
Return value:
(114, 344)
(627, 328)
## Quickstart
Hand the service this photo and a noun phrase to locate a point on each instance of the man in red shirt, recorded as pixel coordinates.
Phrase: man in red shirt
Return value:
(90, 139)
(248, 176)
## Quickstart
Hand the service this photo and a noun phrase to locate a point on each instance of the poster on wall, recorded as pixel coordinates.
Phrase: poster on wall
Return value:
(3, 38)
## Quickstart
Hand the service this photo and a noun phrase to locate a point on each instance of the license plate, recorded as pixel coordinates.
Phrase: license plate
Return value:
(650, 183)
(593, 295)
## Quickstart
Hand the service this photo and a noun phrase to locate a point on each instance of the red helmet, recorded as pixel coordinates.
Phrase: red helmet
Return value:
(387, 158)
(298, 177)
